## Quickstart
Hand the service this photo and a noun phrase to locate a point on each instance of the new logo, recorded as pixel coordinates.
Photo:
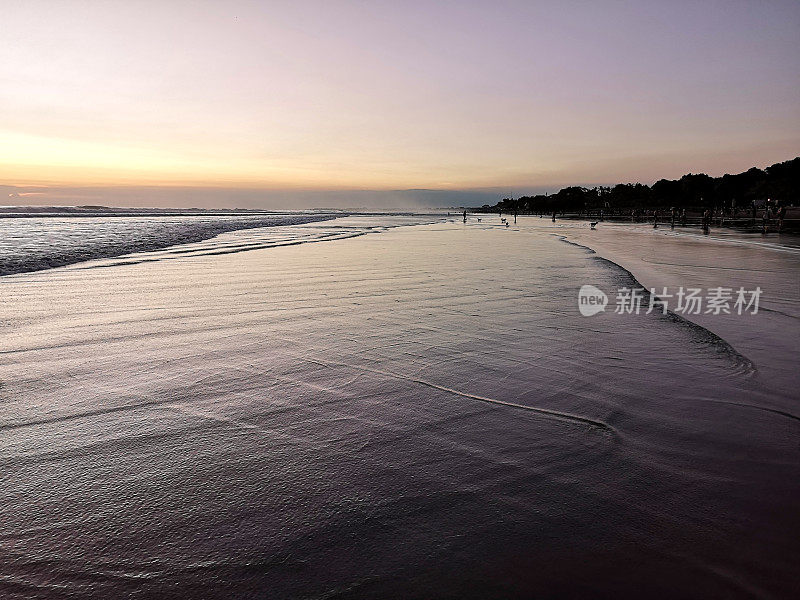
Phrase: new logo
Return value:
(591, 300)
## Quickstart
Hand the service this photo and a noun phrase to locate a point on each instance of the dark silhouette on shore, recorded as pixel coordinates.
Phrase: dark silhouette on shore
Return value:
(698, 199)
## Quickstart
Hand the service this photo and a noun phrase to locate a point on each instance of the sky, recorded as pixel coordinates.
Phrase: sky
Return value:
(296, 104)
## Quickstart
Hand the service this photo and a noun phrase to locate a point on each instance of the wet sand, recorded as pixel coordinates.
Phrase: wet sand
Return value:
(419, 412)
(671, 259)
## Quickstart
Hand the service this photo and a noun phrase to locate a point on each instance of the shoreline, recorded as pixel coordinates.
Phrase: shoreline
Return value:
(177, 230)
(299, 394)
(38, 247)
(760, 342)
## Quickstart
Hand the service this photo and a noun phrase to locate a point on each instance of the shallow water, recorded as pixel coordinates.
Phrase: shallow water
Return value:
(418, 412)
(32, 243)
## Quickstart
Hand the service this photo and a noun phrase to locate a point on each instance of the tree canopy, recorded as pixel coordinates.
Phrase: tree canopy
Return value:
(780, 182)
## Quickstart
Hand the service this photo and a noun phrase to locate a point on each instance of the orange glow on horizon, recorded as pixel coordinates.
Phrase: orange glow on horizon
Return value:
(372, 97)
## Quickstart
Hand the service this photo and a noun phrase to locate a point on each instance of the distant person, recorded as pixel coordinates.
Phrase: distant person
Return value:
(672, 217)
(554, 216)
(706, 221)
(655, 219)
(781, 217)
(465, 216)
(683, 217)
(765, 219)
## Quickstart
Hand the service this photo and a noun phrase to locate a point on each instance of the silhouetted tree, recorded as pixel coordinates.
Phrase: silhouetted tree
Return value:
(781, 182)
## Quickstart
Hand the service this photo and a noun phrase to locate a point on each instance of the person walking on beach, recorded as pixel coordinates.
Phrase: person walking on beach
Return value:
(672, 217)
(554, 216)
(655, 219)
(765, 219)
(706, 221)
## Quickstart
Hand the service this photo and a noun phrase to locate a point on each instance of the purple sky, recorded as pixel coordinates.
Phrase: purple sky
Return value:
(272, 103)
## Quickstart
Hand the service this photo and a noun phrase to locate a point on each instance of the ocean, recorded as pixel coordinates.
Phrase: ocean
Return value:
(35, 240)
(396, 406)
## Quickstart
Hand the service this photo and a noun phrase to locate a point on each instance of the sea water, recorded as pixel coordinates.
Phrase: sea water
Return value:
(29, 242)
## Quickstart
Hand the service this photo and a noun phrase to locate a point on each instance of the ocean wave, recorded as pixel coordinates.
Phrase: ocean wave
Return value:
(38, 243)
(739, 362)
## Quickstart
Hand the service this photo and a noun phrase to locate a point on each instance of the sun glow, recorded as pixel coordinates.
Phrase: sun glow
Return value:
(368, 97)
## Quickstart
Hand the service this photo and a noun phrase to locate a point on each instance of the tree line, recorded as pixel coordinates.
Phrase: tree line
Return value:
(780, 183)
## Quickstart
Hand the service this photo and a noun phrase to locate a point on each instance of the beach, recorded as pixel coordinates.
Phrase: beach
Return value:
(384, 406)
(669, 259)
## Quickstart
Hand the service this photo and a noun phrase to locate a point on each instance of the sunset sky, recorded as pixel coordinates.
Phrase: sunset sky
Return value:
(298, 98)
